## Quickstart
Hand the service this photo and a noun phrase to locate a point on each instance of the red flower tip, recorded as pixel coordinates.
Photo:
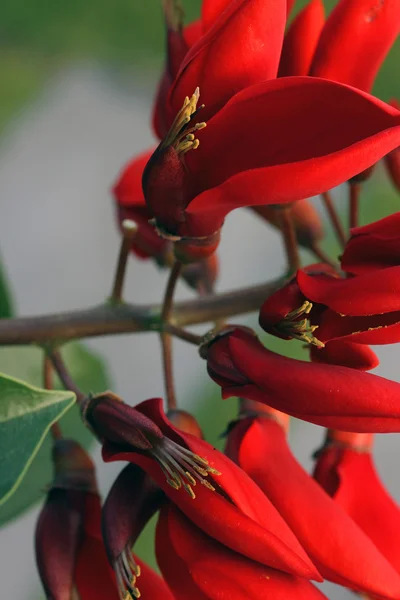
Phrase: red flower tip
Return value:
(345, 353)
(131, 502)
(350, 477)
(306, 220)
(327, 395)
(185, 422)
(392, 160)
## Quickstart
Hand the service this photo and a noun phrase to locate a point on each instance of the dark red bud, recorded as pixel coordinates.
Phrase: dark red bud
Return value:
(163, 187)
(114, 421)
(185, 422)
(73, 467)
(189, 250)
(281, 303)
(306, 220)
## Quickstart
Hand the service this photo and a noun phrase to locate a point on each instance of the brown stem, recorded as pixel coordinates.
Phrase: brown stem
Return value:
(48, 385)
(354, 201)
(166, 339)
(62, 372)
(183, 334)
(334, 217)
(129, 229)
(289, 237)
(108, 319)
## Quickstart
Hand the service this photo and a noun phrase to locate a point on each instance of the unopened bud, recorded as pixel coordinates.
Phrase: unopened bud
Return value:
(185, 422)
(114, 421)
(202, 275)
(306, 221)
(220, 365)
(73, 467)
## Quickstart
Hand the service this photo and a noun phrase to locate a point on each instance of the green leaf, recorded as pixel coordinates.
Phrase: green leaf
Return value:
(26, 415)
(89, 373)
(5, 296)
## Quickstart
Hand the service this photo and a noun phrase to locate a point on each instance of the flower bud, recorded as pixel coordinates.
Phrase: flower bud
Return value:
(185, 422)
(202, 275)
(113, 420)
(306, 221)
(131, 502)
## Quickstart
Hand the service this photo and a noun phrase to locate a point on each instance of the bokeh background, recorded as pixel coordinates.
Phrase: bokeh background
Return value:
(76, 86)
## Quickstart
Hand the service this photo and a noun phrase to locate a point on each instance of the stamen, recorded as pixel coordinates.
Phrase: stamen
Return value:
(180, 136)
(182, 468)
(301, 329)
(126, 571)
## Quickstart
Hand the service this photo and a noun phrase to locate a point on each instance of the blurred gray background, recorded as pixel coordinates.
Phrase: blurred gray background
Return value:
(76, 107)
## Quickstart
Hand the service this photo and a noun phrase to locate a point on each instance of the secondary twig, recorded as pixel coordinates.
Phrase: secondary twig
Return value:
(48, 385)
(62, 372)
(129, 229)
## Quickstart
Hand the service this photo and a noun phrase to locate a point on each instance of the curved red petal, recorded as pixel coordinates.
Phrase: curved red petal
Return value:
(301, 40)
(360, 492)
(284, 140)
(211, 10)
(215, 65)
(345, 353)
(344, 554)
(327, 395)
(368, 294)
(219, 572)
(128, 188)
(355, 41)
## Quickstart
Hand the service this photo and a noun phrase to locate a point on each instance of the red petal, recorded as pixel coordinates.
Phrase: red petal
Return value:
(150, 584)
(355, 41)
(258, 532)
(211, 10)
(344, 554)
(301, 40)
(374, 246)
(345, 353)
(368, 294)
(218, 572)
(285, 140)
(328, 395)
(360, 492)
(377, 329)
(215, 64)
(128, 188)
(94, 576)
(173, 568)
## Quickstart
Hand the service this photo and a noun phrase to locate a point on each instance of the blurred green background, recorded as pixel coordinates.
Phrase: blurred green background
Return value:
(38, 38)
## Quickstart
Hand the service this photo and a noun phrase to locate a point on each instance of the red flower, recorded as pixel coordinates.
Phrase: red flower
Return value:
(198, 567)
(227, 505)
(372, 247)
(320, 134)
(363, 309)
(348, 475)
(301, 40)
(69, 547)
(328, 395)
(288, 314)
(355, 41)
(344, 554)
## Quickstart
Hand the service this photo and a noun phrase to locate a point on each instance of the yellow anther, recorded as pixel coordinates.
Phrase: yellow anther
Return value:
(180, 136)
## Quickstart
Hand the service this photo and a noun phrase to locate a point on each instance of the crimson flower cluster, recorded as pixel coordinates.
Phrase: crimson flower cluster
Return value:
(252, 112)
